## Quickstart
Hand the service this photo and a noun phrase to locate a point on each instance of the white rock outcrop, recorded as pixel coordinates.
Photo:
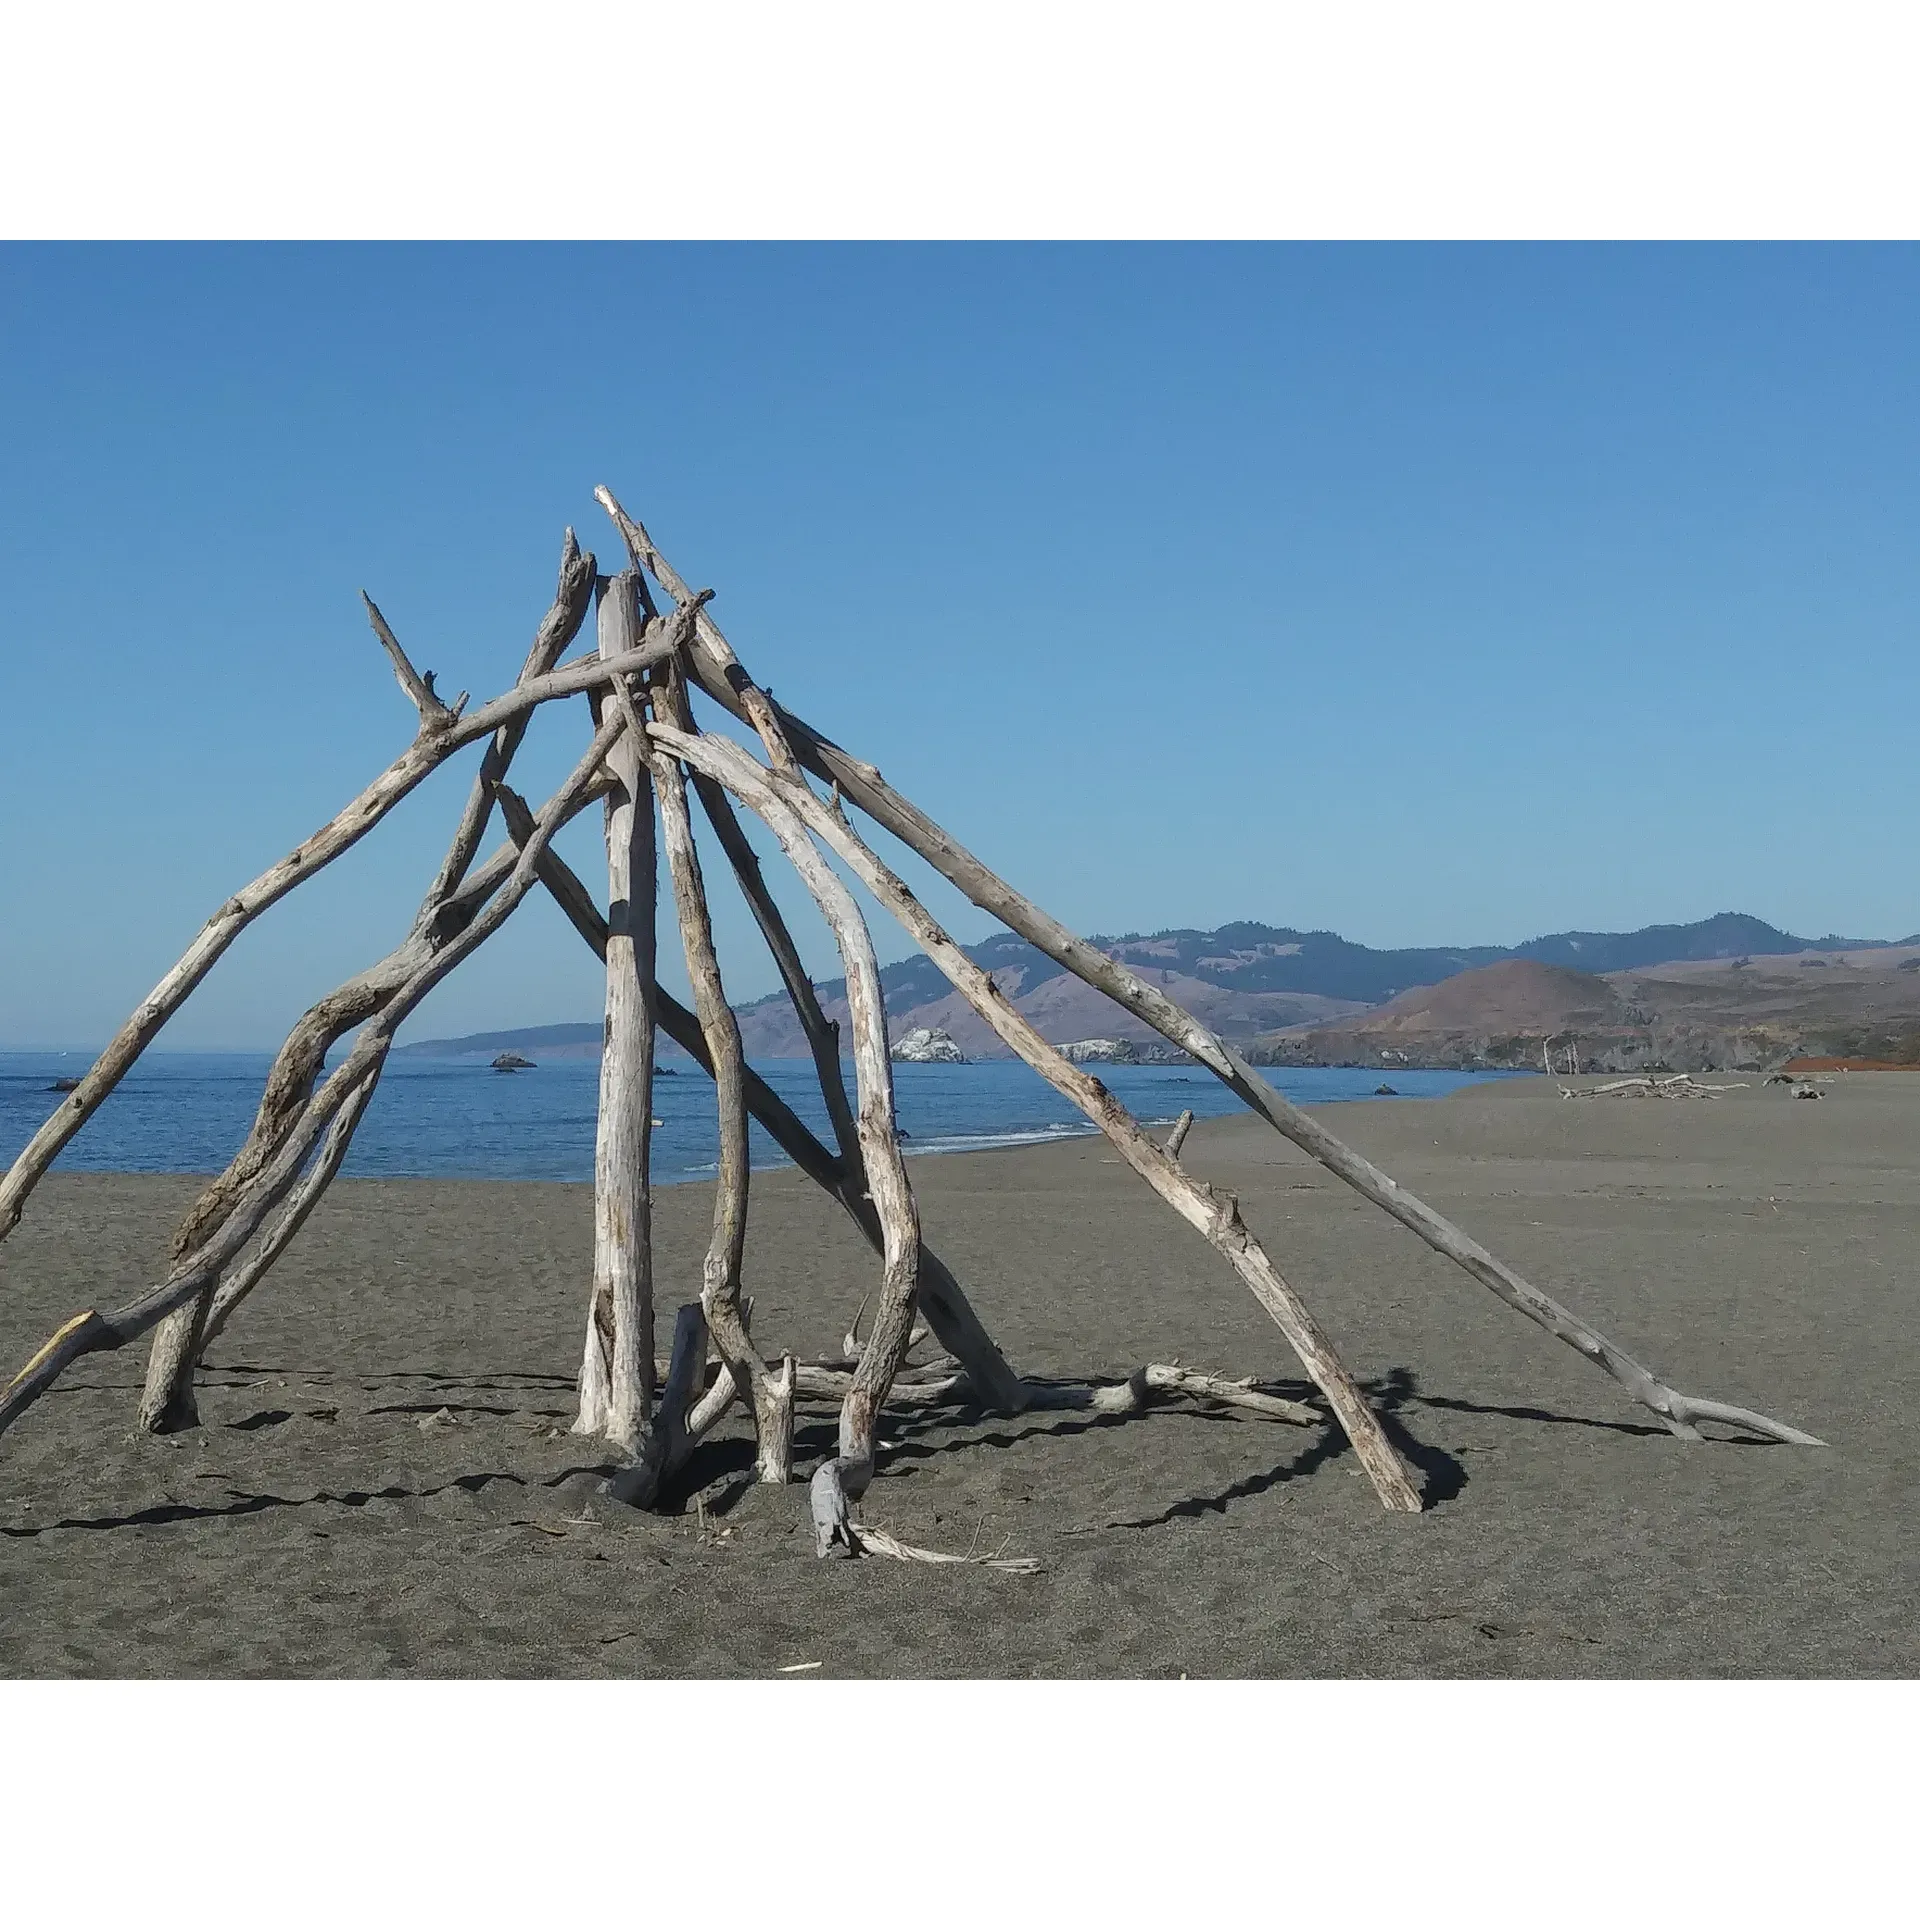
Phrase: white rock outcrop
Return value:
(1120, 1053)
(929, 1044)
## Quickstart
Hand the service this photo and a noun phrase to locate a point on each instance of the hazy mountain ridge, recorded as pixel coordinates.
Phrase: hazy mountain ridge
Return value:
(1245, 979)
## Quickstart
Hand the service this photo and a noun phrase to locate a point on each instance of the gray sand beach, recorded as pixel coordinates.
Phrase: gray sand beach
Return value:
(1753, 1248)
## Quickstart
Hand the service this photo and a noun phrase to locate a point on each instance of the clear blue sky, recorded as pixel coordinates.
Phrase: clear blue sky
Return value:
(1428, 594)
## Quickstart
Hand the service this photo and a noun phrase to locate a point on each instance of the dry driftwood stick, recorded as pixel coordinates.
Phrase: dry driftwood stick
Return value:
(616, 1369)
(720, 1278)
(435, 715)
(1178, 1137)
(350, 825)
(274, 1238)
(822, 1034)
(1164, 1378)
(717, 673)
(1215, 1216)
(555, 634)
(942, 1299)
(93, 1331)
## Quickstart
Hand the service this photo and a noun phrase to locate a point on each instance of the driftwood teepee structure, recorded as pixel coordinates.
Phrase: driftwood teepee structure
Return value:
(657, 644)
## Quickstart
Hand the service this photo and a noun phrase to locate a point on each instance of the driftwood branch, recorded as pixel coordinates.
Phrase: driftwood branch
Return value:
(435, 715)
(344, 830)
(572, 597)
(616, 1369)
(278, 1233)
(1214, 1215)
(94, 1331)
(1178, 1137)
(767, 1394)
(721, 676)
(822, 1034)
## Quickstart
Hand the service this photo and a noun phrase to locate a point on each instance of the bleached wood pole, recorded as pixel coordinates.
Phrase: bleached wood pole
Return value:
(354, 821)
(713, 665)
(573, 596)
(246, 1274)
(616, 1371)
(756, 1383)
(1214, 1215)
(92, 1331)
(943, 1300)
(822, 1035)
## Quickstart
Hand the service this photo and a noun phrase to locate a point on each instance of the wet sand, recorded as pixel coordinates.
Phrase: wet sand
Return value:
(1754, 1248)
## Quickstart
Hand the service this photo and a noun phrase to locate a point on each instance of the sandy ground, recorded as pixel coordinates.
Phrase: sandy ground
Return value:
(1757, 1248)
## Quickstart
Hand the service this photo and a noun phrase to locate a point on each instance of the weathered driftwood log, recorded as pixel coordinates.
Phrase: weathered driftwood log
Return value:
(93, 1331)
(712, 663)
(1178, 1137)
(822, 1034)
(942, 1299)
(167, 1402)
(1232, 1393)
(246, 1274)
(1214, 1215)
(350, 825)
(616, 1368)
(835, 1383)
(763, 1389)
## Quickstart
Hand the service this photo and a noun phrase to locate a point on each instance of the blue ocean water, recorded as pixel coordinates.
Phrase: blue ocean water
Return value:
(459, 1120)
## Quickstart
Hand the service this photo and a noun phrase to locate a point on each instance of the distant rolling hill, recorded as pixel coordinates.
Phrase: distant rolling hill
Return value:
(1246, 980)
(1746, 1013)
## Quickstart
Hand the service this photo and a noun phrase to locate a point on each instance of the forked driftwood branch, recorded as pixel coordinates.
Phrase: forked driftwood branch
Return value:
(616, 1368)
(769, 1393)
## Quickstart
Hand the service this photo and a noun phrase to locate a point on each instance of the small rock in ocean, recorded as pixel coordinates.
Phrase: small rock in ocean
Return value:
(928, 1045)
(1384, 1088)
(511, 1062)
(63, 1086)
(1119, 1053)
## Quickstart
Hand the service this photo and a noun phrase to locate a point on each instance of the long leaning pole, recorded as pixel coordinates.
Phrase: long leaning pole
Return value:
(1213, 1215)
(719, 673)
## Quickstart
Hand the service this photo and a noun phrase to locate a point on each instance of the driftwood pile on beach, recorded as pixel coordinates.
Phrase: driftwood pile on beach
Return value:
(647, 764)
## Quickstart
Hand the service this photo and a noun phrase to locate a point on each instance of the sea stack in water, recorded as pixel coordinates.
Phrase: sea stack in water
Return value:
(1113, 1053)
(510, 1062)
(928, 1045)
